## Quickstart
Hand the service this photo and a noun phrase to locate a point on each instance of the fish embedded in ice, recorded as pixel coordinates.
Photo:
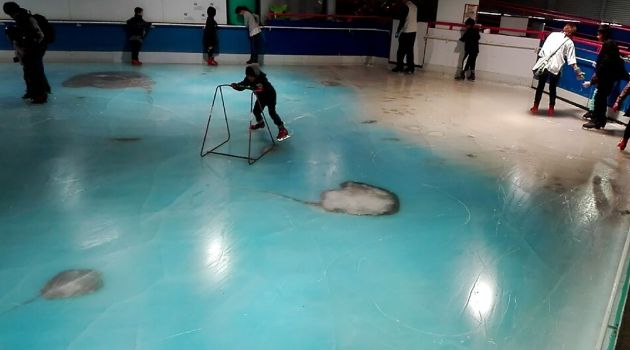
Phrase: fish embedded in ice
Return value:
(72, 283)
(356, 198)
(68, 284)
(110, 80)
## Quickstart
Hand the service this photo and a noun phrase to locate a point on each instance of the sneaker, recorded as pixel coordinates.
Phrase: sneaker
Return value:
(410, 71)
(550, 111)
(471, 76)
(588, 115)
(592, 125)
(622, 144)
(397, 70)
(136, 63)
(534, 109)
(257, 126)
(212, 62)
(283, 134)
(460, 76)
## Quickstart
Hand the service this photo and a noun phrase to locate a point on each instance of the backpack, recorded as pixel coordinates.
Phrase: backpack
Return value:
(46, 27)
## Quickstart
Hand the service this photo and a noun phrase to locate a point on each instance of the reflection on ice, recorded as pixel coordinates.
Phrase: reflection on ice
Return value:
(481, 300)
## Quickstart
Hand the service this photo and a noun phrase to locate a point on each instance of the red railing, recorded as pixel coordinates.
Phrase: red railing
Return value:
(533, 11)
(495, 30)
(542, 35)
(345, 18)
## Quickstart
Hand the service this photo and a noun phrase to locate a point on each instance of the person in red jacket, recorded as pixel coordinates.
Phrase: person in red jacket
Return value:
(257, 81)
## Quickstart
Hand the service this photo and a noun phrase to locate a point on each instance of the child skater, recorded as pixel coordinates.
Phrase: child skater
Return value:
(470, 39)
(210, 37)
(257, 81)
(626, 135)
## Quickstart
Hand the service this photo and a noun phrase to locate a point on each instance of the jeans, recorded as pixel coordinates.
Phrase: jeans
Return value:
(553, 83)
(406, 41)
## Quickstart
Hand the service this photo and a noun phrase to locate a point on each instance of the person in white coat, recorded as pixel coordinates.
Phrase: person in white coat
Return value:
(557, 50)
(406, 35)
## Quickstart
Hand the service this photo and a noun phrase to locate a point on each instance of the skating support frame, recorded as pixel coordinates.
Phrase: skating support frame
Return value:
(250, 160)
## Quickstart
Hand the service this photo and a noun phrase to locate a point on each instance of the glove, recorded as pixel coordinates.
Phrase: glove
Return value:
(615, 107)
(234, 86)
(586, 84)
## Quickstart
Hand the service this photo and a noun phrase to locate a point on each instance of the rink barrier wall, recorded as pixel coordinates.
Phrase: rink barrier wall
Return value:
(233, 40)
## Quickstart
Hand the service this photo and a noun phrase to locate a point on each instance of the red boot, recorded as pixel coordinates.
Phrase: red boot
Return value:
(550, 111)
(534, 109)
(622, 144)
(212, 62)
(136, 63)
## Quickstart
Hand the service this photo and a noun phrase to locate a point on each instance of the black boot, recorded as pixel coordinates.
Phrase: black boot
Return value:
(460, 76)
(471, 76)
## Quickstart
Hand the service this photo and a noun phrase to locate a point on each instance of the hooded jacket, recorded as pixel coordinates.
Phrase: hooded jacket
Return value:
(261, 86)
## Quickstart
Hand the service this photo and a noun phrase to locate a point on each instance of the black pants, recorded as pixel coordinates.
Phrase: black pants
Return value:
(626, 134)
(135, 45)
(406, 41)
(604, 89)
(268, 100)
(34, 75)
(470, 59)
(553, 83)
(210, 50)
(255, 43)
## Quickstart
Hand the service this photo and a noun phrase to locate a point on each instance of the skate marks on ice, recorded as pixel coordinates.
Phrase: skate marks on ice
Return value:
(110, 80)
(68, 284)
(356, 198)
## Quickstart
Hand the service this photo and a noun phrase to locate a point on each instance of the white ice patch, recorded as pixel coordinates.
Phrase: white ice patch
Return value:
(360, 199)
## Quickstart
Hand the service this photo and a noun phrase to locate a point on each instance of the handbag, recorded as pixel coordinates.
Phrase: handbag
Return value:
(543, 63)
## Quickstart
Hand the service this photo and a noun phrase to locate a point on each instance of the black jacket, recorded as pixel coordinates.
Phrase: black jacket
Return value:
(610, 66)
(261, 86)
(137, 28)
(27, 33)
(471, 40)
(210, 37)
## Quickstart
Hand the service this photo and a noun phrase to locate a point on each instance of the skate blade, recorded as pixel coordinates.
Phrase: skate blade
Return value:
(284, 138)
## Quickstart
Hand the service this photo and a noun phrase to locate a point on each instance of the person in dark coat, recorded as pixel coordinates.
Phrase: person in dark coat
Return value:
(210, 37)
(28, 40)
(470, 39)
(609, 69)
(257, 81)
(137, 29)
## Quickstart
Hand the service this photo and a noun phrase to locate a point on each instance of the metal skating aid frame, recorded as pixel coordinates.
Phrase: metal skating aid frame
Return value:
(250, 160)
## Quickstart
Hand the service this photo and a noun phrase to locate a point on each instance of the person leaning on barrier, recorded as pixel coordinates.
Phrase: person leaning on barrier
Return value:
(609, 69)
(557, 50)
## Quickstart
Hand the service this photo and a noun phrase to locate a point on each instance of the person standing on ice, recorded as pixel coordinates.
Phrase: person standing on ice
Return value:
(210, 37)
(137, 29)
(406, 34)
(252, 22)
(557, 50)
(470, 39)
(609, 69)
(256, 81)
